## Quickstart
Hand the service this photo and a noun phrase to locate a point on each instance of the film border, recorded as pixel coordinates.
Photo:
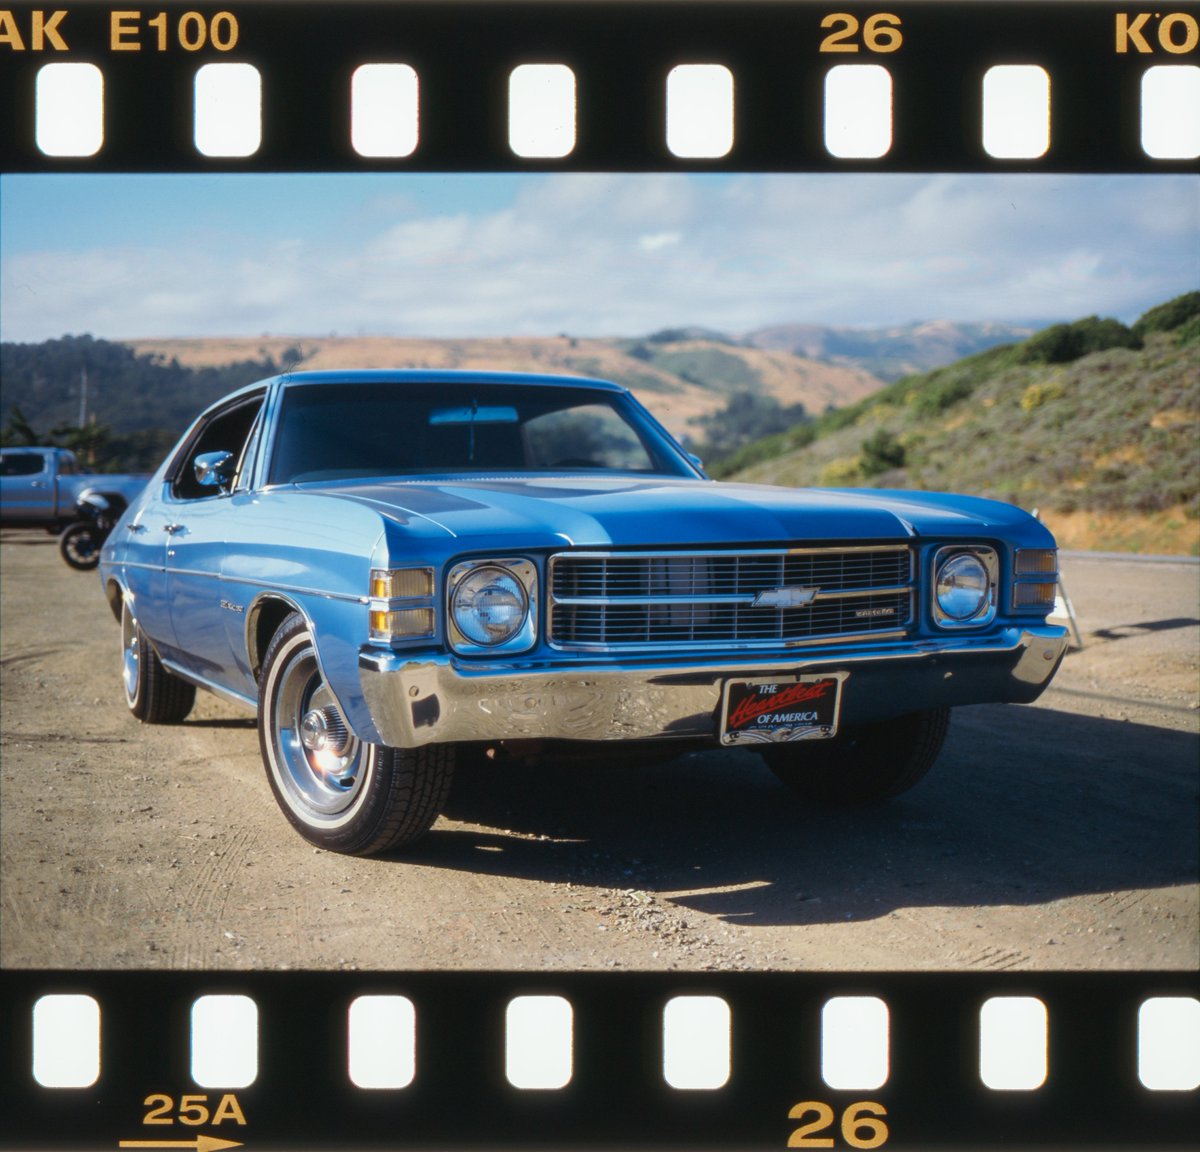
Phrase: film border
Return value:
(617, 1096)
(620, 53)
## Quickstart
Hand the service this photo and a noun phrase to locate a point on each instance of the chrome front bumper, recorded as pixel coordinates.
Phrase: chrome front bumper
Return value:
(440, 699)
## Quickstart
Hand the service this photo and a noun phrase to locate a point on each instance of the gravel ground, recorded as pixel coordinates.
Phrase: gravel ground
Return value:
(1057, 836)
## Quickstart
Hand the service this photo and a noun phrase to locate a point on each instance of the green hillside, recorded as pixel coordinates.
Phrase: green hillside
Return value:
(1093, 423)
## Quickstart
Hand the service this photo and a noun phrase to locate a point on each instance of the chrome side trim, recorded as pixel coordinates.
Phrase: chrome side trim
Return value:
(266, 585)
(210, 685)
(250, 634)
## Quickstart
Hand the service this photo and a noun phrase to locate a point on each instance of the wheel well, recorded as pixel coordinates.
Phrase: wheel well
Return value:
(268, 615)
(115, 597)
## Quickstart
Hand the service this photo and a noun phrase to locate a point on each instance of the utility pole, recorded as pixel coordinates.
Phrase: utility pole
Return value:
(83, 385)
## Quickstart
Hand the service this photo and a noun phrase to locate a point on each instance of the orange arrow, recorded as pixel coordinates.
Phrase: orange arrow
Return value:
(200, 1144)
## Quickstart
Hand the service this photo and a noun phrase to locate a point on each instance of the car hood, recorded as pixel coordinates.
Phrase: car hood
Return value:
(624, 512)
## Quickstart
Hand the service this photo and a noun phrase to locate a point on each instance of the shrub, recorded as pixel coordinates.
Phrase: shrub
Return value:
(881, 453)
(841, 472)
(1063, 343)
(935, 399)
(1038, 394)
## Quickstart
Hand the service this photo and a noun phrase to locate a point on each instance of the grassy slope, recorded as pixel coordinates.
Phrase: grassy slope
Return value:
(1106, 447)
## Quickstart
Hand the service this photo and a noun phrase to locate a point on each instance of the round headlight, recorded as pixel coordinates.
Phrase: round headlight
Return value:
(489, 606)
(963, 587)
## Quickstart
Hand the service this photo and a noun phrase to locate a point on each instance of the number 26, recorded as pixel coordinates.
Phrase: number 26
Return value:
(861, 1125)
(880, 33)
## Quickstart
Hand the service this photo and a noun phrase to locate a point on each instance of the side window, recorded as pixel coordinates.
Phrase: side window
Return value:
(226, 431)
(21, 463)
(245, 464)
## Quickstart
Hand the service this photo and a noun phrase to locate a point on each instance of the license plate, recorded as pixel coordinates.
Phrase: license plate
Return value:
(778, 711)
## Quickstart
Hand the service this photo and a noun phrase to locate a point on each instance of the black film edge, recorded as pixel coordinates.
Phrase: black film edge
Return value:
(1095, 57)
(617, 1094)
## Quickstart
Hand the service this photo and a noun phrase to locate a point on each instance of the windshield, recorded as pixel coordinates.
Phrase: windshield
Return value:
(341, 431)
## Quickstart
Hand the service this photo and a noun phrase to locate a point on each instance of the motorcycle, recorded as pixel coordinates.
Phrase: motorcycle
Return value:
(81, 541)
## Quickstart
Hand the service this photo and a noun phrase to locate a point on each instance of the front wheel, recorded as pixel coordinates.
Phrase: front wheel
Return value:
(339, 792)
(79, 546)
(862, 765)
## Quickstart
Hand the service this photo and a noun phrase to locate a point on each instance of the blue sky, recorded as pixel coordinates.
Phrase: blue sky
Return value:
(587, 254)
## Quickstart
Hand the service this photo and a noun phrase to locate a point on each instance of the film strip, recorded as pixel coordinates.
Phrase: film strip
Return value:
(104, 1060)
(1089, 79)
(636, 1061)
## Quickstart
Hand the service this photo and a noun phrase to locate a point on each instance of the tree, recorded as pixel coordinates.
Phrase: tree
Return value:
(88, 442)
(746, 416)
(291, 358)
(19, 433)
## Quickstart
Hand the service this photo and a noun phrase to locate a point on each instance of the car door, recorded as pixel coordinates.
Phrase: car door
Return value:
(27, 487)
(143, 550)
(197, 530)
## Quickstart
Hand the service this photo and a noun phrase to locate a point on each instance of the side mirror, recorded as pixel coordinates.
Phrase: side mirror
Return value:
(215, 470)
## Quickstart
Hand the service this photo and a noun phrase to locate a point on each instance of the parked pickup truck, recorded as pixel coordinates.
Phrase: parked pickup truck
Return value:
(46, 488)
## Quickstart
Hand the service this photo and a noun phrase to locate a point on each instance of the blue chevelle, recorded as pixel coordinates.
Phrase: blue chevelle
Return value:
(398, 568)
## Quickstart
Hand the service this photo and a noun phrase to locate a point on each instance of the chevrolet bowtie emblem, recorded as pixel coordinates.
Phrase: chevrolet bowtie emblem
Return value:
(785, 597)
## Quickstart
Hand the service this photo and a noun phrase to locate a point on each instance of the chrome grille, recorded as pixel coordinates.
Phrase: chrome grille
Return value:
(630, 600)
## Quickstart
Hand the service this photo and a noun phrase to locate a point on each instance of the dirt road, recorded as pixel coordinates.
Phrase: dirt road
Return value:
(1057, 836)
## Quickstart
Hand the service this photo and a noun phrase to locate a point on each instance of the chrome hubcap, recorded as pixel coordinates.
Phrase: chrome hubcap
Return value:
(324, 730)
(321, 763)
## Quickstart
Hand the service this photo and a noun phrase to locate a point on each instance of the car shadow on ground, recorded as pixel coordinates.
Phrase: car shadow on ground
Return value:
(1126, 631)
(226, 722)
(1025, 806)
(28, 536)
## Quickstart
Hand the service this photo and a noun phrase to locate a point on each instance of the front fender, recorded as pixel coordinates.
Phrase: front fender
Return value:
(336, 626)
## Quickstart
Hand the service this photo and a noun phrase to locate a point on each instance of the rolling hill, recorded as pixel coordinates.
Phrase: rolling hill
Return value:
(1094, 424)
(889, 353)
(684, 375)
(679, 379)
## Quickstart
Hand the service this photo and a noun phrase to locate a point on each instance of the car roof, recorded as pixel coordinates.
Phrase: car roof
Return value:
(442, 376)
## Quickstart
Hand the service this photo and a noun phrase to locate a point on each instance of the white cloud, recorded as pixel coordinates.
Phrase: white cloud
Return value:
(596, 254)
(654, 241)
(421, 241)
